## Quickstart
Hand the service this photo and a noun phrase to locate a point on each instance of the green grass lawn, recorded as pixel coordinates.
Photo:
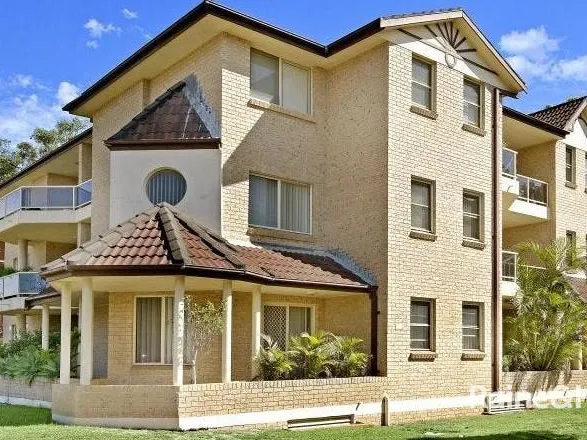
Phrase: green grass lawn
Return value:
(18, 423)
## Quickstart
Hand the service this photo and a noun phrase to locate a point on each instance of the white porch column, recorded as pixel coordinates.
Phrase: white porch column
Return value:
(227, 332)
(178, 330)
(20, 323)
(65, 355)
(256, 327)
(87, 326)
(23, 247)
(45, 327)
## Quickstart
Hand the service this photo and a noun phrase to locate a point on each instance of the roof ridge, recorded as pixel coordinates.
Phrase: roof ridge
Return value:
(213, 240)
(552, 107)
(176, 244)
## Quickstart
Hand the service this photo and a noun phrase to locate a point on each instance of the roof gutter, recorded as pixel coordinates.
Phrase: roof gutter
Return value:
(175, 269)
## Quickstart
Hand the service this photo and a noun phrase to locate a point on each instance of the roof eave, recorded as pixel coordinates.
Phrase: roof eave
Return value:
(161, 144)
(522, 117)
(68, 271)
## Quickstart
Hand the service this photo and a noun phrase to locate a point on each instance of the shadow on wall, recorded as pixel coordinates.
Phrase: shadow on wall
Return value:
(530, 435)
(534, 381)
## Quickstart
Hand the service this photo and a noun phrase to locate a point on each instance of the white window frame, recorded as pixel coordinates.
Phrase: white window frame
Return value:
(479, 104)
(432, 186)
(481, 328)
(478, 216)
(134, 330)
(279, 181)
(432, 85)
(281, 61)
(287, 305)
(431, 326)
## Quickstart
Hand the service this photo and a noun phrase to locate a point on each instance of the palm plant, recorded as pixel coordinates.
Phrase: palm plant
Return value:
(273, 363)
(349, 360)
(545, 331)
(313, 355)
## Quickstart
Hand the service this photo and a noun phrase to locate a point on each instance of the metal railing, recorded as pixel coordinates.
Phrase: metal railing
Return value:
(21, 284)
(40, 198)
(509, 163)
(533, 190)
(509, 266)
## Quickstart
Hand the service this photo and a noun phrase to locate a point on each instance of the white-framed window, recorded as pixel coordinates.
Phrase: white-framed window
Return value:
(472, 326)
(280, 204)
(422, 83)
(570, 164)
(472, 215)
(280, 82)
(473, 104)
(422, 205)
(166, 185)
(282, 322)
(421, 324)
(153, 329)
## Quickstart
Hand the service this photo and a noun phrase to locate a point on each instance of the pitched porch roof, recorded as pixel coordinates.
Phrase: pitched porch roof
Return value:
(562, 115)
(165, 241)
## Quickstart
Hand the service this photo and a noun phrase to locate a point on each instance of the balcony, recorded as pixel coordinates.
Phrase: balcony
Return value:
(509, 273)
(16, 287)
(525, 199)
(57, 208)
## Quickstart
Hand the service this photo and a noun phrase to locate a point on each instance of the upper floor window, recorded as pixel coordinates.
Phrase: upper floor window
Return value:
(472, 102)
(570, 164)
(586, 171)
(422, 83)
(280, 82)
(472, 215)
(571, 237)
(422, 205)
(166, 186)
(275, 203)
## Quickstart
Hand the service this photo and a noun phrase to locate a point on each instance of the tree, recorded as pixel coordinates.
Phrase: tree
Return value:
(546, 330)
(204, 322)
(44, 140)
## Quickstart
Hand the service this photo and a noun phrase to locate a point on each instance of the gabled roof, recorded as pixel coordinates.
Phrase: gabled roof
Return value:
(50, 155)
(164, 240)
(181, 115)
(209, 8)
(563, 115)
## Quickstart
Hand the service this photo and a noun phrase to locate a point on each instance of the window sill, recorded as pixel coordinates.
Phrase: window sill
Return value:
(427, 113)
(473, 356)
(474, 129)
(422, 235)
(474, 244)
(259, 231)
(257, 103)
(571, 185)
(422, 356)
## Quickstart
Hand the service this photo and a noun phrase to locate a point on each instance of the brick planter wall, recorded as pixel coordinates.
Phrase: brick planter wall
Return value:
(17, 392)
(542, 380)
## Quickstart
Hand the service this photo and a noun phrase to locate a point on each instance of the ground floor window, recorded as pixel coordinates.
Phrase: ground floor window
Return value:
(153, 330)
(281, 323)
(471, 327)
(421, 324)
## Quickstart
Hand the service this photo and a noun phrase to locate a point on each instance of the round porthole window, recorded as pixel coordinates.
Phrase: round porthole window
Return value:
(166, 186)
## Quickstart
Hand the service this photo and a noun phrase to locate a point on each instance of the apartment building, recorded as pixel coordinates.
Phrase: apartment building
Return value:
(360, 187)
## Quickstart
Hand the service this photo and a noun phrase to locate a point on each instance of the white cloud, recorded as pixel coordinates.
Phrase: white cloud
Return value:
(146, 35)
(66, 92)
(534, 54)
(21, 114)
(92, 44)
(129, 15)
(98, 29)
(20, 80)
(534, 43)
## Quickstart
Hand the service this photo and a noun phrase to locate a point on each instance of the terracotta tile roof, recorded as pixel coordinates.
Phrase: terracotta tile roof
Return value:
(165, 238)
(579, 285)
(562, 115)
(181, 114)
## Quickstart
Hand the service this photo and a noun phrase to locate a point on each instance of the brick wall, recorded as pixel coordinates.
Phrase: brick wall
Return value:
(443, 270)
(20, 392)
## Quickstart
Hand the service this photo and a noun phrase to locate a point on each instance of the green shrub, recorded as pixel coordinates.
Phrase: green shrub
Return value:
(322, 355)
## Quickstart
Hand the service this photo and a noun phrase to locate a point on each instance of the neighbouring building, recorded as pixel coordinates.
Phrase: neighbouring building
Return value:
(372, 187)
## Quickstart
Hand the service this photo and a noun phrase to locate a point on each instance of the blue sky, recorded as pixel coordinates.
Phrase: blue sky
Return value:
(50, 51)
